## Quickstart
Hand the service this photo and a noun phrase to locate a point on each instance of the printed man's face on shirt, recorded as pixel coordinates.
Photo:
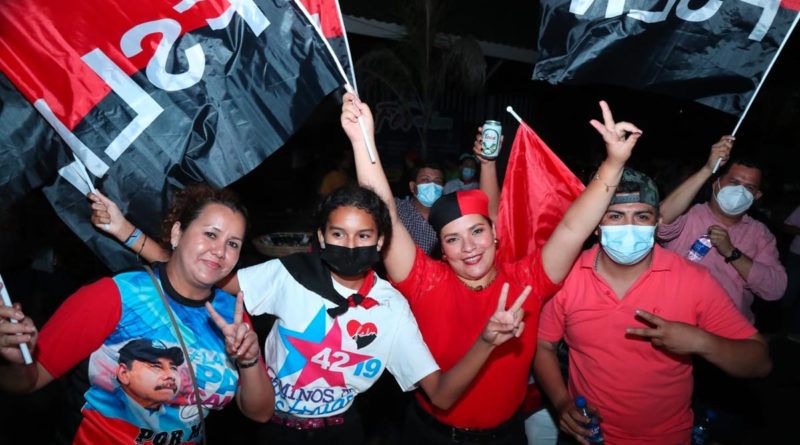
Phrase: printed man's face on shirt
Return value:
(150, 383)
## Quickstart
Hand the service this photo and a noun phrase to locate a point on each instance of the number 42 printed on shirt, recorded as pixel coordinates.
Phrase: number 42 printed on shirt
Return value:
(336, 361)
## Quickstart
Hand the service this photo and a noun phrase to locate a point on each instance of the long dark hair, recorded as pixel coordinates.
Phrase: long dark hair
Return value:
(360, 198)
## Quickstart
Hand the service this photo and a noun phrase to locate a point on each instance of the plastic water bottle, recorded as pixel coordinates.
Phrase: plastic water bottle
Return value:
(595, 435)
(701, 431)
(699, 249)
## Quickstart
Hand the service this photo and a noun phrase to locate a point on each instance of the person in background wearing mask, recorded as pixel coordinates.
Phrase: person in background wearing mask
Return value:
(468, 179)
(425, 187)
(632, 314)
(744, 258)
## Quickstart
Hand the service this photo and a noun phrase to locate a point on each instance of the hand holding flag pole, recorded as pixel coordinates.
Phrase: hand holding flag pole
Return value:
(26, 353)
(760, 83)
(363, 128)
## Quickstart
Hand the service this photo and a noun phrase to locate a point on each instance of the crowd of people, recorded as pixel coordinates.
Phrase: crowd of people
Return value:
(414, 286)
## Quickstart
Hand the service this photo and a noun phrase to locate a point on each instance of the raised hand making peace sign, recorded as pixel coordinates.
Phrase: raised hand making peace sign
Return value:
(241, 343)
(620, 137)
(506, 324)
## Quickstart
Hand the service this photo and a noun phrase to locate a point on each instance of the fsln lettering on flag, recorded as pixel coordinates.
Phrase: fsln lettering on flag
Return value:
(151, 96)
(714, 52)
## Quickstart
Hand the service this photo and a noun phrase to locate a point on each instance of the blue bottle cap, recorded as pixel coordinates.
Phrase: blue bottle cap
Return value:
(580, 402)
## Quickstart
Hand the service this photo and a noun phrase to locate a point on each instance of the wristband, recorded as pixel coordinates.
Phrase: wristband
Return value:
(133, 237)
(244, 365)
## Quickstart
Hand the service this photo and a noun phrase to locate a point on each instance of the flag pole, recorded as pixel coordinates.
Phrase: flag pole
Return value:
(347, 46)
(23, 347)
(764, 77)
(514, 113)
(347, 85)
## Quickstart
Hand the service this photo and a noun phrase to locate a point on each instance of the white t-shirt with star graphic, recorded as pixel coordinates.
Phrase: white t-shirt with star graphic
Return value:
(319, 364)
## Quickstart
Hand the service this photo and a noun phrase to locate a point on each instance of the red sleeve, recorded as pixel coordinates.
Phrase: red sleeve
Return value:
(717, 314)
(79, 326)
(551, 319)
(426, 273)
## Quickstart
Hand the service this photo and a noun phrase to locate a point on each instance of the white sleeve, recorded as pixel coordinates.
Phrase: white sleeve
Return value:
(410, 360)
(260, 284)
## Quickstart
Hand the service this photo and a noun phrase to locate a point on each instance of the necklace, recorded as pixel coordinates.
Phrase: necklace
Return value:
(481, 287)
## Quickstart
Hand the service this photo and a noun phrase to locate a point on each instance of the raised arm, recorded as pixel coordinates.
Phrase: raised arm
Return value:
(444, 389)
(399, 257)
(679, 200)
(488, 180)
(583, 216)
(107, 217)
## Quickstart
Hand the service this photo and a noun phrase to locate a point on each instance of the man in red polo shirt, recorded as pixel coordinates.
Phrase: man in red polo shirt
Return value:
(632, 315)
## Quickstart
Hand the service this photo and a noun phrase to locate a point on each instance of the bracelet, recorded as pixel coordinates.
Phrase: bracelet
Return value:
(244, 365)
(141, 248)
(133, 237)
(598, 179)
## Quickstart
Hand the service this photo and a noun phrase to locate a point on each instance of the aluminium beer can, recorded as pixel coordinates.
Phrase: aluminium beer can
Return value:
(490, 147)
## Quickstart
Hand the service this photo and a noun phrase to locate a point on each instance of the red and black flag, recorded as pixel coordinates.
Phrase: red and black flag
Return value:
(714, 52)
(150, 96)
(328, 17)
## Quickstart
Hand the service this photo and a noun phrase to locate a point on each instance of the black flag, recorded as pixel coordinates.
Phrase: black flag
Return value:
(714, 52)
(151, 96)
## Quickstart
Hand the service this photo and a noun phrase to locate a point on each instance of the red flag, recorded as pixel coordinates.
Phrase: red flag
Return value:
(537, 190)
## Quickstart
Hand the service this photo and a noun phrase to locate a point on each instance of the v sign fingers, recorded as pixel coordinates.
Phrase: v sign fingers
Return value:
(501, 302)
(238, 311)
(521, 299)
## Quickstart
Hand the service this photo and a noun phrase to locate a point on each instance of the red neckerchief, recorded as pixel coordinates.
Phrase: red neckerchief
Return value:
(360, 298)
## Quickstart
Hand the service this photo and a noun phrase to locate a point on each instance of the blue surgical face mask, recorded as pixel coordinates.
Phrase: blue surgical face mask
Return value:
(467, 173)
(627, 244)
(428, 193)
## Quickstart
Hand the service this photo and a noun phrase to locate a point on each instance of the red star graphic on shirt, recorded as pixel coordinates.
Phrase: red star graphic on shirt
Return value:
(326, 360)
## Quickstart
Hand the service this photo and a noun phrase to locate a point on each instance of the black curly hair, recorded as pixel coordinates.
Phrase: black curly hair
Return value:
(361, 198)
(187, 204)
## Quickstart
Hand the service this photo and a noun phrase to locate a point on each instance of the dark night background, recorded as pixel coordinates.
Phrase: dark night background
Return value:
(282, 192)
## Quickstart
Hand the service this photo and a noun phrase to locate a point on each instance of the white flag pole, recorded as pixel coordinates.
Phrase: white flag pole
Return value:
(760, 83)
(766, 73)
(26, 353)
(347, 45)
(347, 85)
(514, 113)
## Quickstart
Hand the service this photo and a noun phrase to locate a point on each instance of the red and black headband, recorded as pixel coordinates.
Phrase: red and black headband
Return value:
(452, 206)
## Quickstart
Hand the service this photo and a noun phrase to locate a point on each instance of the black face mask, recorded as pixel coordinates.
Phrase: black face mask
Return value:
(349, 262)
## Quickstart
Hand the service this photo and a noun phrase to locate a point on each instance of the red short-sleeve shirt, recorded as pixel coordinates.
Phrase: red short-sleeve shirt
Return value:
(451, 317)
(642, 393)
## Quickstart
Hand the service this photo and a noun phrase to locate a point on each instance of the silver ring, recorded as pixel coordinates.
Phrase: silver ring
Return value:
(247, 326)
